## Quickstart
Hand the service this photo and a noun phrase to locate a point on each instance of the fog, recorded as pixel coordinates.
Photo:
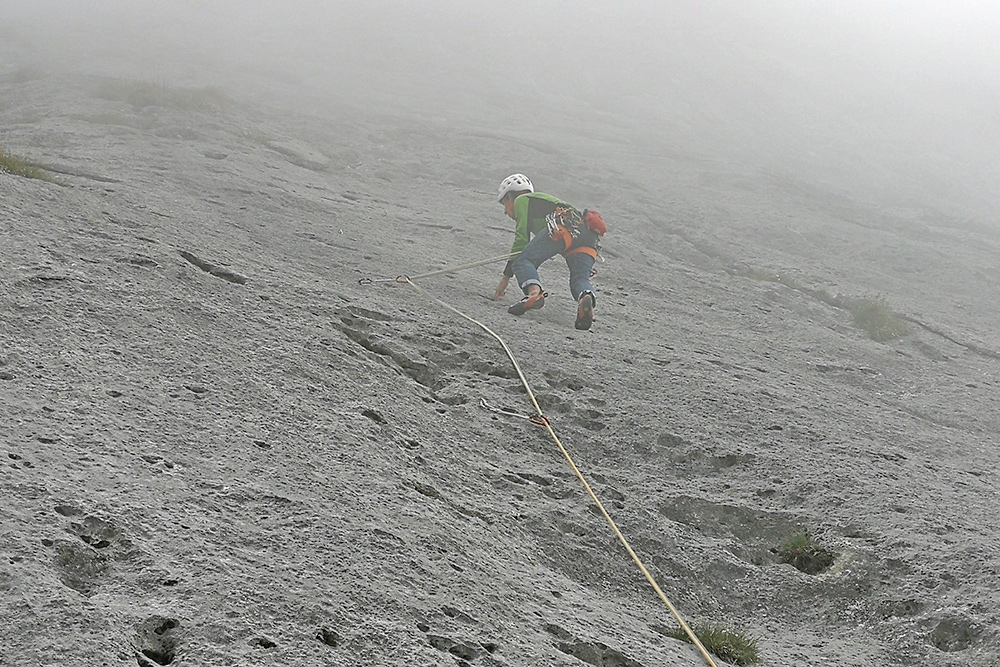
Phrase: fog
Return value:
(895, 100)
(233, 439)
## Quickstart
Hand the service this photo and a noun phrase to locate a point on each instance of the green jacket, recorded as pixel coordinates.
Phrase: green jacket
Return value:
(529, 212)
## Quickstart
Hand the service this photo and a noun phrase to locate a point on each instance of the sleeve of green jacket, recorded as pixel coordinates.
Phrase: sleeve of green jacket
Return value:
(521, 231)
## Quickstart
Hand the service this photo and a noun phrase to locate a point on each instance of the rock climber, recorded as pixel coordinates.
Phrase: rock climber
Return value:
(558, 229)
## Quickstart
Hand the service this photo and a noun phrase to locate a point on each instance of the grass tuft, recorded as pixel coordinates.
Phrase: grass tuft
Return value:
(873, 315)
(142, 94)
(803, 553)
(19, 166)
(735, 646)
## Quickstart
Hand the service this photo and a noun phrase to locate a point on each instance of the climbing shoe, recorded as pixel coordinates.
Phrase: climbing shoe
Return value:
(585, 311)
(528, 303)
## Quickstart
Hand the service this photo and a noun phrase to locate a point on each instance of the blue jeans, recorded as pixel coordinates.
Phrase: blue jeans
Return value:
(542, 248)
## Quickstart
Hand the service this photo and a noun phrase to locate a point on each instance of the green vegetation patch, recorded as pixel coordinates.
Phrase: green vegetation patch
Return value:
(873, 315)
(734, 646)
(142, 94)
(803, 553)
(19, 166)
(871, 312)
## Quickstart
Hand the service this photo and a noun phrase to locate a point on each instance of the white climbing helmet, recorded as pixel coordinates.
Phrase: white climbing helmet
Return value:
(514, 183)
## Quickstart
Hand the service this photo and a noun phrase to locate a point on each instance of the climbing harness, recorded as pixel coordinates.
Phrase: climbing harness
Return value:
(565, 224)
(540, 419)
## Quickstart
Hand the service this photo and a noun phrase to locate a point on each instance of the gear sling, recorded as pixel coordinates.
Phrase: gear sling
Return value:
(565, 224)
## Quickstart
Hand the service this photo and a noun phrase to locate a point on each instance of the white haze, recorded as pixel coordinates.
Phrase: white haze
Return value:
(898, 100)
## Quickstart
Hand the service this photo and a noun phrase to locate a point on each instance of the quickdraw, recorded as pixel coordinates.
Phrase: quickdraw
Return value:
(501, 411)
(541, 420)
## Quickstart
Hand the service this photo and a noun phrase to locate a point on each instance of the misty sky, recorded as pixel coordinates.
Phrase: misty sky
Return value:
(834, 82)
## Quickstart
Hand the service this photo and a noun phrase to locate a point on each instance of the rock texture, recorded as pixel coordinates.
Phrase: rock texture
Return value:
(218, 448)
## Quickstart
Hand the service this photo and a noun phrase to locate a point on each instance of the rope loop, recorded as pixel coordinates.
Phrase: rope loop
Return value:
(541, 420)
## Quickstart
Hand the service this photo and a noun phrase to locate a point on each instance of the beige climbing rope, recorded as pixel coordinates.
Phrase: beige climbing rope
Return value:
(450, 269)
(541, 419)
